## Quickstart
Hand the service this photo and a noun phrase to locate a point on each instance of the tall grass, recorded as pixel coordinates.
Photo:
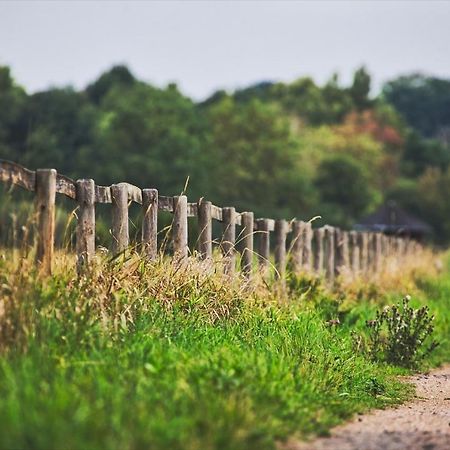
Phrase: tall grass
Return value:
(155, 356)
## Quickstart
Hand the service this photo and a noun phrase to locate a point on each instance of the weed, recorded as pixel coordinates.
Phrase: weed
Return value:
(400, 335)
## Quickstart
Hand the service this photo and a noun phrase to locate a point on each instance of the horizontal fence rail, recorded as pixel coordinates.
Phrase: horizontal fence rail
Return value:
(326, 251)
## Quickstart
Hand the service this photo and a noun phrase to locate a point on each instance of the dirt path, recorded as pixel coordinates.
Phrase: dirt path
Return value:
(422, 424)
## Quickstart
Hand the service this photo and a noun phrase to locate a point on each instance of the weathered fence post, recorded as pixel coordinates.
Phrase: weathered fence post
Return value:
(297, 246)
(229, 238)
(180, 227)
(341, 248)
(329, 246)
(205, 228)
(85, 233)
(391, 246)
(377, 252)
(281, 229)
(318, 250)
(119, 196)
(247, 242)
(384, 247)
(364, 251)
(307, 246)
(150, 223)
(264, 244)
(354, 247)
(45, 209)
(374, 262)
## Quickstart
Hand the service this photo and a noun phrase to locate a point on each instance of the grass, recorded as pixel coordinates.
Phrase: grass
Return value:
(158, 357)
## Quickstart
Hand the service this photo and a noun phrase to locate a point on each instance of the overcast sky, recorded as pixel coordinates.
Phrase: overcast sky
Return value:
(204, 46)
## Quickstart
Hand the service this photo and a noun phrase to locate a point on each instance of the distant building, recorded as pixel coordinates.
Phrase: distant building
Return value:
(393, 220)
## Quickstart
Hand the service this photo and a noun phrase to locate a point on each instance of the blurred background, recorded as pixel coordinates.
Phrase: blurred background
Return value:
(287, 109)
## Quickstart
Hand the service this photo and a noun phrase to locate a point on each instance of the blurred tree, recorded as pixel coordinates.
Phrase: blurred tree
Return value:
(339, 102)
(423, 101)
(252, 160)
(260, 91)
(420, 153)
(60, 124)
(360, 89)
(148, 136)
(12, 121)
(343, 184)
(433, 188)
(115, 77)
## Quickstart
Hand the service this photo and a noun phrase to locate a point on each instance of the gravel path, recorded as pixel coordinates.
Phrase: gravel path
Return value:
(422, 424)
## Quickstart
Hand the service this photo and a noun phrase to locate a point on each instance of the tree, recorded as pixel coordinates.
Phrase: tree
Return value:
(60, 124)
(360, 89)
(433, 204)
(12, 121)
(343, 184)
(252, 160)
(423, 101)
(115, 77)
(420, 153)
(148, 136)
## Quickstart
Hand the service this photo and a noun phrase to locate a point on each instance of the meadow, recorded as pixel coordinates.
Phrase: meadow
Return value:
(142, 355)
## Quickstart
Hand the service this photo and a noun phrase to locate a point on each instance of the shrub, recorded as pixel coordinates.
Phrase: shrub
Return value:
(400, 335)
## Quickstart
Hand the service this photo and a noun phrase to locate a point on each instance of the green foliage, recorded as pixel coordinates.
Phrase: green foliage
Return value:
(360, 89)
(253, 149)
(132, 370)
(273, 148)
(147, 356)
(400, 334)
(117, 76)
(423, 101)
(419, 154)
(351, 199)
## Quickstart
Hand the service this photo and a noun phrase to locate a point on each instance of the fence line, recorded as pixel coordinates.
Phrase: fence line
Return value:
(326, 250)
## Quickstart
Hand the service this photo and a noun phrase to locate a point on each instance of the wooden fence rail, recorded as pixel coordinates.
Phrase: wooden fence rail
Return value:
(326, 250)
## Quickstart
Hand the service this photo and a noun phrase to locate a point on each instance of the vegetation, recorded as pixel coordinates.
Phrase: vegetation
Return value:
(278, 149)
(139, 355)
(156, 356)
(400, 334)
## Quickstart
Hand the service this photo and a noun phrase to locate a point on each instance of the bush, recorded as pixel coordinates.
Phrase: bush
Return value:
(400, 335)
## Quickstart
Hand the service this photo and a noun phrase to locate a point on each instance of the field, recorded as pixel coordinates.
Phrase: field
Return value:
(152, 356)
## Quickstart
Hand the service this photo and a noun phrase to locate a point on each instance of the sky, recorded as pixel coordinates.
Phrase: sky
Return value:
(208, 45)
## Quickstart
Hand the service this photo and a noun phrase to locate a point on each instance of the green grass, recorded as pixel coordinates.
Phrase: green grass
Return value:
(166, 378)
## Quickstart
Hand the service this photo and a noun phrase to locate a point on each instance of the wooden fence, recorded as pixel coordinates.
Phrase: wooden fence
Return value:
(326, 250)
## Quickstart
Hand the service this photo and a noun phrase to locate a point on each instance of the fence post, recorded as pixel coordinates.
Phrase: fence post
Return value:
(377, 252)
(329, 246)
(180, 227)
(318, 250)
(370, 252)
(45, 209)
(297, 246)
(119, 195)
(384, 247)
(354, 247)
(85, 233)
(264, 245)
(391, 246)
(247, 242)
(364, 251)
(281, 228)
(205, 228)
(150, 223)
(307, 247)
(341, 247)
(229, 239)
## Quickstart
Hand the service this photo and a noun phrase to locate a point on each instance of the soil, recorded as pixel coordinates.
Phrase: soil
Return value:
(422, 424)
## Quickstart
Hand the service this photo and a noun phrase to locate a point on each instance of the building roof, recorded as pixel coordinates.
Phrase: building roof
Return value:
(393, 219)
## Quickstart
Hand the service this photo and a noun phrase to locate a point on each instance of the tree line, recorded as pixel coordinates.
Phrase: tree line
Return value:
(279, 149)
